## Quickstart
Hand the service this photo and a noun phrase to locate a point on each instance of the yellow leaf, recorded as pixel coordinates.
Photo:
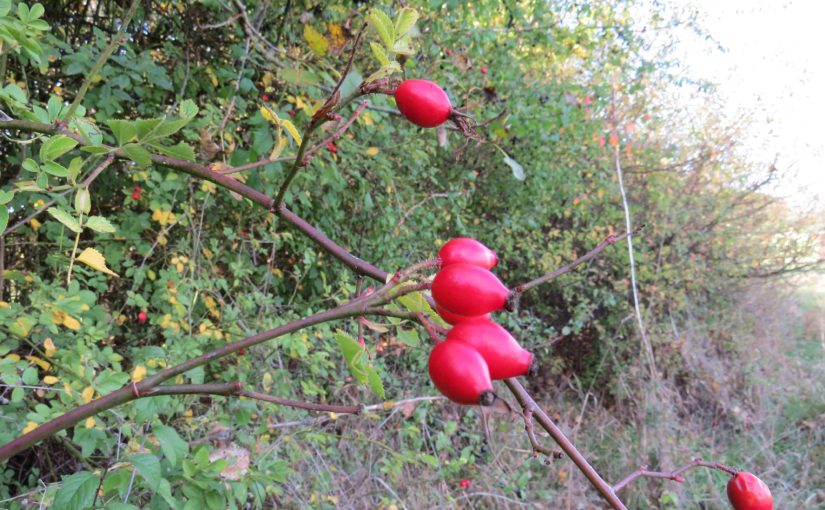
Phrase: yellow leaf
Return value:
(29, 427)
(138, 373)
(95, 260)
(13, 357)
(69, 321)
(67, 389)
(293, 132)
(87, 394)
(90, 422)
(3, 304)
(333, 416)
(267, 382)
(372, 151)
(279, 147)
(35, 224)
(269, 115)
(366, 118)
(45, 365)
(316, 41)
(50, 379)
(267, 79)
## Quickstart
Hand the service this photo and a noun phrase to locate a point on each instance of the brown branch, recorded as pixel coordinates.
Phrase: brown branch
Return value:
(534, 442)
(338, 132)
(609, 240)
(674, 475)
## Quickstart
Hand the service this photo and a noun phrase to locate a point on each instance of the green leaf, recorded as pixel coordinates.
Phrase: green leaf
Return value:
(383, 25)
(4, 218)
(31, 165)
(168, 128)
(173, 447)
(180, 151)
(6, 197)
(37, 11)
(409, 337)
(65, 218)
(117, 505)
(149, 468)
(54, 108)
(5, 7)
(354, 355)
(56, 146)
(518, 170)
(100, 224)
(83, 201)
(405, 20)
(138, 154)
(402, 46)
(78, 491)
(55, 169)
(75, 165)
(123, 130)
(375, 382)
(145, 126)
(91, 149)
(299, 77)
(380, 54)
(188, 109)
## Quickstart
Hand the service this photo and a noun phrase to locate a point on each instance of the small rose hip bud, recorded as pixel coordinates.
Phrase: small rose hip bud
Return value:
(136, 195)
(483, 70)
(448, 51)
(361, 341)
(245, 235)
(464, 484)
(264, 97)
(332, 148)
(241, 351)
(292, 113)
(142, 317)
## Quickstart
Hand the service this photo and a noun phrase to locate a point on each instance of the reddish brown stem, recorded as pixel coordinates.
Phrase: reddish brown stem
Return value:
(338, 132)
(674, 475)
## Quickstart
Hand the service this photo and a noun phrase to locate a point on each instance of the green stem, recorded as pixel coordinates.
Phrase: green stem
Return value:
(74, 252)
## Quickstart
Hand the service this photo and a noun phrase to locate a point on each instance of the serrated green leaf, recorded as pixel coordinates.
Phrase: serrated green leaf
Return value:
(4, 218)
(173, 447)
(405, 20)
(149, 468)
(188, 109)
(65, 218)
(5, 7)
(118, 505)
(145, 126)
(100, 224)
(91, 149)
(383, 25)
(75, 165)
(409, 337)
(55, 169)
(22, 326)
(380, 53)
(138, 154)
(403, 46)
(123, 130)
(299, 77)
(78, 491)
(36, 11)
(56, 146)
(354, 355)
(83, 201)
(375, 383)
(169, 128)
(180, 151)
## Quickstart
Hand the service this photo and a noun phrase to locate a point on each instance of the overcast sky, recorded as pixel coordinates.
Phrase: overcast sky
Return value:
(774, 61)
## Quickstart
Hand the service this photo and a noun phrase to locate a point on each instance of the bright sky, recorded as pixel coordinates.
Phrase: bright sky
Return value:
(773, 62)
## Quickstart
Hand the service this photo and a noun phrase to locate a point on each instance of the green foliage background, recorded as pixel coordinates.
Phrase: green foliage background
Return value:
(568, 88)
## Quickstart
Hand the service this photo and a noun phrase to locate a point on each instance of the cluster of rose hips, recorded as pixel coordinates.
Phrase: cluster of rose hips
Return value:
(476, 351)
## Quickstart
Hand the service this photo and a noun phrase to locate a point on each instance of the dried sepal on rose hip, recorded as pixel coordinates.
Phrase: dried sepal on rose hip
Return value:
(423, 103)
(461, 374)
(464, 250)
(504, 356)
(469, 290)
(747, 492)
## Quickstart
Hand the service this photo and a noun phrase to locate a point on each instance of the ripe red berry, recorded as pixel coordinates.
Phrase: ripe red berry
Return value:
(747, 492)
(136, 195)
(332, 148)
(264, 97)
(454, 318)
(464, 484)
(241, 351)
(504, 356)
(142, 317)
(460, 374)
(463, 250)
(469, 290)
(292, 113)
(448, 51)
(483, 70)
(423, 103)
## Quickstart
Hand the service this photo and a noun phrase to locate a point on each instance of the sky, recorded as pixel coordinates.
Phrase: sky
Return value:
(773, 62)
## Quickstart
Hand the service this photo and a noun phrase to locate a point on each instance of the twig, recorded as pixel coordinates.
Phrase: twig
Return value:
(107, 52)
(534, 442)
(338, 132)
(611, 239)
(642, 472)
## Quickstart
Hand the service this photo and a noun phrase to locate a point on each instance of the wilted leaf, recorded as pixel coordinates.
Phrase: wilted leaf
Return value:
(518, 170)
(95, 260)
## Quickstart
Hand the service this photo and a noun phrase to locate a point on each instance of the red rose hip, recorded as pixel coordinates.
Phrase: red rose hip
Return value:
(463, 250)
(454, 318)
(423, 103)
(747, 492)
(469, 290)
(504, 356)
(460, 374)
(142, 317)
